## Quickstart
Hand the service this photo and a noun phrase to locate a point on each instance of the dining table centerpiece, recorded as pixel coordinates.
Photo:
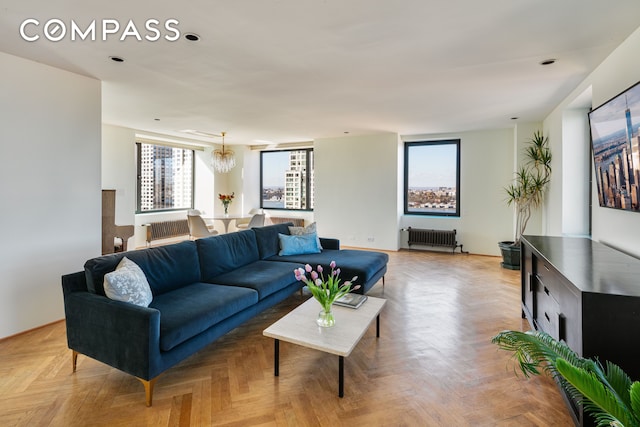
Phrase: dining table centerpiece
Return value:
(325, 291)
(226, 200)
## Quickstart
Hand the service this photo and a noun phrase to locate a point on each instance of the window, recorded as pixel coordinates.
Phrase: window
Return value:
(165, 178)
(432, 178)
(286, 179)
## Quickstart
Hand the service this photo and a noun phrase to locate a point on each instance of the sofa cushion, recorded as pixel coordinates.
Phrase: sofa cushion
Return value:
(264, 276)
(267, 238)
(166, 267)
(298, 245)
(221, 254)
(192, 309)
(364, 264)
(309, 229)
(128, 284)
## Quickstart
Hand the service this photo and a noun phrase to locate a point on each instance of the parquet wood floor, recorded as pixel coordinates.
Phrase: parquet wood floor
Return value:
(433, 365)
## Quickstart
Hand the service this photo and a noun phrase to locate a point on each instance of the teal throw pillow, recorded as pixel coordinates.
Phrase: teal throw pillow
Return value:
(309, 229)
(298, 245)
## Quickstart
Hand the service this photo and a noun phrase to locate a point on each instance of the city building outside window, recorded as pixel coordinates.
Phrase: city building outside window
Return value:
(432, 178)
(286, 179)
(165, 178)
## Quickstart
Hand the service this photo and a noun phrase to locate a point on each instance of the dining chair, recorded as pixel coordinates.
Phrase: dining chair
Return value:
(256, 221)
(243, 223)
(198, 227)
(196, 212)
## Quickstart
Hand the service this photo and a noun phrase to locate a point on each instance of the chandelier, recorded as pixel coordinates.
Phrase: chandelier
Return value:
(223, 160)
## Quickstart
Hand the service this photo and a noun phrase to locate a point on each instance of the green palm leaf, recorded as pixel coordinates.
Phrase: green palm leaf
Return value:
(619, 381)
(608, 406)
(634, 394)
(533, 350)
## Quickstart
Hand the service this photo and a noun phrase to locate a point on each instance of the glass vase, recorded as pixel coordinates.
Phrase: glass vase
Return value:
(325, 318)
(226, 210)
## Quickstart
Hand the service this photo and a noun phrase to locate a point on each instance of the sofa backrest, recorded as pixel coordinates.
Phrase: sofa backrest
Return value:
(226, 252)
(267, 238)
(166, 267)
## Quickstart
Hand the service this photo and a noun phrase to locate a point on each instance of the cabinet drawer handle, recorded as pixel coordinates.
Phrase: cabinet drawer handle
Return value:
(545, 267)
(530, 284)
(547, 317)
(546, 291)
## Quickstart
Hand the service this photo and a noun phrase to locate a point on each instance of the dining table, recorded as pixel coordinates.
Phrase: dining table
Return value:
(226, 219)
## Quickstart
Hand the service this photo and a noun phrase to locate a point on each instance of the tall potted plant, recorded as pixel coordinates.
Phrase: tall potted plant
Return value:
(526, 193)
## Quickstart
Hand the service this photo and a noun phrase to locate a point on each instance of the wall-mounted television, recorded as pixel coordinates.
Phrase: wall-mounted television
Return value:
(615, 143)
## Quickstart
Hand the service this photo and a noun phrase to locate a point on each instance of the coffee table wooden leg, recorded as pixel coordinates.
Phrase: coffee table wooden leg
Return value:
(276, 358)
(340, 376)
(378, 326)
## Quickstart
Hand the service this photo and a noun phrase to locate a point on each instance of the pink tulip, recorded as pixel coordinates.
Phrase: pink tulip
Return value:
(354, 278)
(314, 275)
(308, 268)
(318, 282)
(333, 264)
(319, 269)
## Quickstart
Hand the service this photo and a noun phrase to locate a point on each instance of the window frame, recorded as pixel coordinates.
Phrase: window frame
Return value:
(407, 146)
(139, 178)
(308, 187)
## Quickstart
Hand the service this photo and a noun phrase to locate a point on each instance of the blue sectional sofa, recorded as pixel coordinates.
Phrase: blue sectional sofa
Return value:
(201, 290)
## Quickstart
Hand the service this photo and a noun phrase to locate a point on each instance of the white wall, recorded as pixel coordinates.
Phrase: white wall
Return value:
(619, 71)
(356, 190)
(359, 190)
(250, 176)
(119, 172)
(486, 163)
(575, 173)
(50, 191)
(203, 197)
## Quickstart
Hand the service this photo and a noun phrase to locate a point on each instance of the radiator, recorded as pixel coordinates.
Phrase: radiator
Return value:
(297, 222)
(447, 238)
(167, 229)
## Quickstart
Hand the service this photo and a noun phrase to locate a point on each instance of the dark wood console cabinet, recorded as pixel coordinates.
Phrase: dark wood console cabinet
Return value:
(587, 294)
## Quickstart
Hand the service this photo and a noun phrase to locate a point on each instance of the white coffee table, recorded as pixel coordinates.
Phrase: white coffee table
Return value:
(299, 327)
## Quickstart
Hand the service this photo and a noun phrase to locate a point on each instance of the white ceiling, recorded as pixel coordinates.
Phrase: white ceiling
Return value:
(296, 70)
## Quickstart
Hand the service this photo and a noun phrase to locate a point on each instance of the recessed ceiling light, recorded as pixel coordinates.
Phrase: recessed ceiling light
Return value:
(548, 62)
(515, 118)
(192, 37)
(157, 120)
(116, 59)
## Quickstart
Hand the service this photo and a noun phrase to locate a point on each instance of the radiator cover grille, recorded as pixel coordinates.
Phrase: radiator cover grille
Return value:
(428, 237)
(167, 229)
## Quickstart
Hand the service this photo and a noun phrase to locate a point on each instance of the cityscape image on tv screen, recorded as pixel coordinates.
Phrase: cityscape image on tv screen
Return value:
(615, 139)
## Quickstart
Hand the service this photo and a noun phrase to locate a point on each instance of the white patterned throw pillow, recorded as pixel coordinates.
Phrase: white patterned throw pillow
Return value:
(128, 283)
